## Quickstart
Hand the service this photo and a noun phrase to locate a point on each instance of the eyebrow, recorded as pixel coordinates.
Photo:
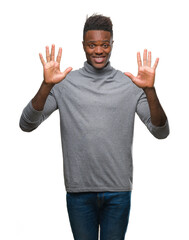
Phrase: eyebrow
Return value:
(97, 41)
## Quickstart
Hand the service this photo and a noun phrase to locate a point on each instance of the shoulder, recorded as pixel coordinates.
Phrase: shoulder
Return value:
(120, 76)
(73, 74)
(69, 78)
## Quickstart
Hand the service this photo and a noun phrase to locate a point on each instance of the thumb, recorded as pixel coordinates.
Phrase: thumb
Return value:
(66, 71)
(130, 76)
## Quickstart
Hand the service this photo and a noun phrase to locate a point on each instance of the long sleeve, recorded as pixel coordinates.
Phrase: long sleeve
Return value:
(143, 112)
(31, 118)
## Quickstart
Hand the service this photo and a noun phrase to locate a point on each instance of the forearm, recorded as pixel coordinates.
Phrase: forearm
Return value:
(38, 109)
(40, 98)
(30, 118)
(158, 116)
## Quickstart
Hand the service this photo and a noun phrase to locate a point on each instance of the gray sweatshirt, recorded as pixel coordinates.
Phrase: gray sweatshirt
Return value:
(97, 111)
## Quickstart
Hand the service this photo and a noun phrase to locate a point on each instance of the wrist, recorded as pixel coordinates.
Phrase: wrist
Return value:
(149, 89)
(48, 85)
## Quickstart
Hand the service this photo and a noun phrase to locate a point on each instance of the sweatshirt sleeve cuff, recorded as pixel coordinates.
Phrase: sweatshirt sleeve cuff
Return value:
(160, 132)
(31, 114)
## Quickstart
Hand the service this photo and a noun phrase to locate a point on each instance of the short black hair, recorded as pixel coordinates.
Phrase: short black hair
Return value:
(98, 22)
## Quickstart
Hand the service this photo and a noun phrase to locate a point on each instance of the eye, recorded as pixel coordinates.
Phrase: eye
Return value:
(91, 45)
(105, 45)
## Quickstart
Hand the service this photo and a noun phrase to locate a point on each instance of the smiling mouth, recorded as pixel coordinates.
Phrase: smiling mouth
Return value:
(99, 59)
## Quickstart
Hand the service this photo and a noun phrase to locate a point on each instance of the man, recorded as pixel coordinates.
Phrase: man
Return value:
(97, 106)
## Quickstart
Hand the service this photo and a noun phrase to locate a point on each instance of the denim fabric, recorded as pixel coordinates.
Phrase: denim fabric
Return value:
(89, 210)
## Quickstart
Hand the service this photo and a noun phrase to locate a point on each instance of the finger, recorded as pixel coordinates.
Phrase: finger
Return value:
(145, 57)
(149, 59)
(66, 72)
(59, 55)
(42, 59)
(52, 52)
(131, 76)
(139, 60)
(156, 63)
(47, 54)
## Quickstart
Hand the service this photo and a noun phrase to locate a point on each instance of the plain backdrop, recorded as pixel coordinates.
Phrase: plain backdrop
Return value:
(32, 192)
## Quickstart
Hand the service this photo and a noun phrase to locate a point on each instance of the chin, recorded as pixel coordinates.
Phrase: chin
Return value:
(98, 65)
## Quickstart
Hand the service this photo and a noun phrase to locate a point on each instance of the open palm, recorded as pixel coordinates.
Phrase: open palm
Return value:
(52, 73)
(146, 73)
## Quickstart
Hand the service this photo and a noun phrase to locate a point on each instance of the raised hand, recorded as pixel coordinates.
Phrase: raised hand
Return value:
(146, 73)
(52, 73)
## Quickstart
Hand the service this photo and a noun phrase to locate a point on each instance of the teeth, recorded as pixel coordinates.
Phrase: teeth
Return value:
(99, 59)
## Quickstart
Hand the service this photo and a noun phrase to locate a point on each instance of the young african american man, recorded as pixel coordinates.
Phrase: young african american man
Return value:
(97, 106)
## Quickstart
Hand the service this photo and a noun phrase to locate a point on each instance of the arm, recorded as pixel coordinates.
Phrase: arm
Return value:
(44, 103)
(158, 116)
(52, 76)
(143, 111)
(145, 80)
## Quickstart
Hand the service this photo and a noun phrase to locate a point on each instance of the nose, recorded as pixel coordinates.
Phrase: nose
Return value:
(98, 50)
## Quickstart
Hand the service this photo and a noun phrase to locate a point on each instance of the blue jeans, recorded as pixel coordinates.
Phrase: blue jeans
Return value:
(89, 210)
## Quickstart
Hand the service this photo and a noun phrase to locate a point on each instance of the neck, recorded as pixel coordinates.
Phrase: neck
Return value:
(98, 68)
(103, 73)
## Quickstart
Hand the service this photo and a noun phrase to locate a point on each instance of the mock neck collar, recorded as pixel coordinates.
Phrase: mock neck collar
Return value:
(98, 72)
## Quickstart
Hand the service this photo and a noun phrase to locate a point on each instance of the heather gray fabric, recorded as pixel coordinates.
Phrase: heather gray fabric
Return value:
(97, 110)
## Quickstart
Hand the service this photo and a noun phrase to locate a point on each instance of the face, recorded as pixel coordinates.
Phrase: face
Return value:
(97, 45)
